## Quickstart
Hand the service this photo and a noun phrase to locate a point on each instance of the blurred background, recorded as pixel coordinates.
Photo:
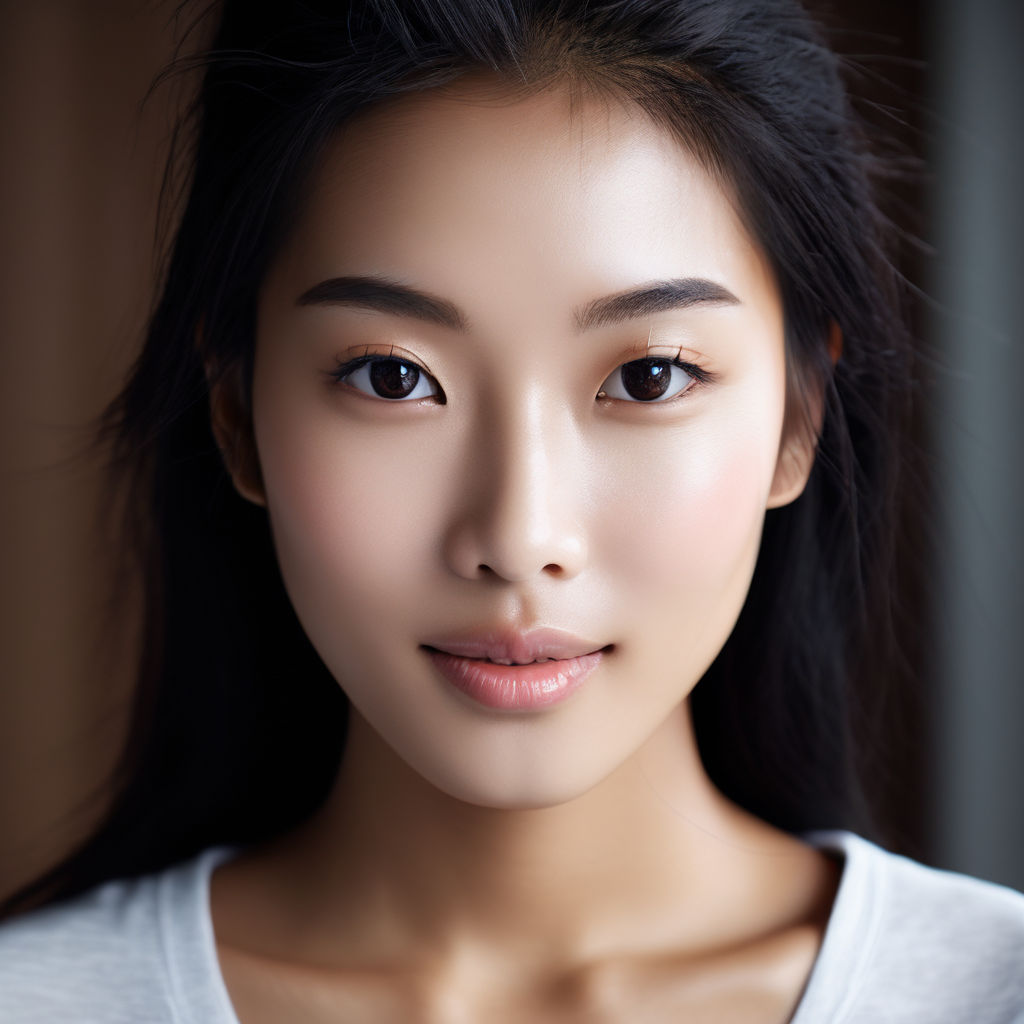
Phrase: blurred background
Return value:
(79, 180)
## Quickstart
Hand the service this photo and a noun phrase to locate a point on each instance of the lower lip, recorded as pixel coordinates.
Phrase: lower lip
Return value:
(515, 687)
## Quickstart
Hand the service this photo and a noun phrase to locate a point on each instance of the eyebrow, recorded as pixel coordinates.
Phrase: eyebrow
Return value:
(656, 297)
(385, 296)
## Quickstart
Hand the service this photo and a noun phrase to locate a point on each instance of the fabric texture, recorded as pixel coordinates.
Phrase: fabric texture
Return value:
(905, 944)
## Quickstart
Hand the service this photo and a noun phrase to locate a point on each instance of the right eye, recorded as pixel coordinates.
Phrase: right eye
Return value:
(396, 380)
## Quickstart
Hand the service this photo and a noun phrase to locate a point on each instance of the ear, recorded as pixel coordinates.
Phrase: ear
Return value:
(231, 421)
(800, 433)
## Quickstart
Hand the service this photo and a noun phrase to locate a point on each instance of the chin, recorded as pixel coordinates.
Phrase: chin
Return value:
(516, 787)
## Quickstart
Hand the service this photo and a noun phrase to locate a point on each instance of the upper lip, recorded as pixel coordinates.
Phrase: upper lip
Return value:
(510, 645)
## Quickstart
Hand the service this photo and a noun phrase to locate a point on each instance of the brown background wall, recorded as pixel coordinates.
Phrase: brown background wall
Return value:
(79, 177)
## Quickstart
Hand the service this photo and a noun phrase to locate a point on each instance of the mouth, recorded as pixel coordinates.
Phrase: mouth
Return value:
(509, 671)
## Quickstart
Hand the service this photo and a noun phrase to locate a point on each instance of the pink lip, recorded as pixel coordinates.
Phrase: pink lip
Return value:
(471, 664)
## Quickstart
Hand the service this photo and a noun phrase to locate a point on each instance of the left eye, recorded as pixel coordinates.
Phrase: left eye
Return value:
(394, 379)
(647, 380)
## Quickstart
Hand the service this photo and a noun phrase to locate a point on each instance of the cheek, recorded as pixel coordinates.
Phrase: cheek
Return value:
(347, 510)
(685, 545)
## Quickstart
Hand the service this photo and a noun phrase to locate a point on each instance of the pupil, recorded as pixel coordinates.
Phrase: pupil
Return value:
(392, 378)
(646, 379)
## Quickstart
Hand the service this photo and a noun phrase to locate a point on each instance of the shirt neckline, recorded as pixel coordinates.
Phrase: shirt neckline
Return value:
(853, 925)
(200, 994)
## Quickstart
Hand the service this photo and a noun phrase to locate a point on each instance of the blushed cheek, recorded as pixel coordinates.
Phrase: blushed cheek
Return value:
(316, 533)
(694, 529)
(348, 519)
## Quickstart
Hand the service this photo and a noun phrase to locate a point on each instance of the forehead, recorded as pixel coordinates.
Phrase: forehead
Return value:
(470, 184)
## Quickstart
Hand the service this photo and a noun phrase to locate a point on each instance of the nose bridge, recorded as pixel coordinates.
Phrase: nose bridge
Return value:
(522, 518)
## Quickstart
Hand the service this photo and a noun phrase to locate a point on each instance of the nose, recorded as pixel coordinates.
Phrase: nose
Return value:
(521, 515)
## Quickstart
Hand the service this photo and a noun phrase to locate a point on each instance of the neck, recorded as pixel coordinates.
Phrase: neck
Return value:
(651, 855)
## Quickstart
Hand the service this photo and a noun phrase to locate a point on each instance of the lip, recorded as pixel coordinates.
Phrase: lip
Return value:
(548, 666)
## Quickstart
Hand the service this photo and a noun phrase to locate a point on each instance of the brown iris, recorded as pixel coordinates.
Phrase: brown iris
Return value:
(391, 378)
(646, 379)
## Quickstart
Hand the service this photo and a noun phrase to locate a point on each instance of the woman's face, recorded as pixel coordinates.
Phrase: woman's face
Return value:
(518, 371)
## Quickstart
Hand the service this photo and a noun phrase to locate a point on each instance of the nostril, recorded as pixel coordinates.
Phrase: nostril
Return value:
(485, 571)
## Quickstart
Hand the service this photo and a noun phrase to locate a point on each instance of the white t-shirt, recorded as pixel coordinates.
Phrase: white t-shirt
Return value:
(904, 945)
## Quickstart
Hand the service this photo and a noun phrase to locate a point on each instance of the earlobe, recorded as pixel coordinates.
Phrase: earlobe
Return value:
(801, 432)
(232, 428)
(793, 468)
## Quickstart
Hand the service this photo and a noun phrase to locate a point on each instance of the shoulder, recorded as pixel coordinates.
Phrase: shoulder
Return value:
(115, 954)
(98, 957)
(911, 943)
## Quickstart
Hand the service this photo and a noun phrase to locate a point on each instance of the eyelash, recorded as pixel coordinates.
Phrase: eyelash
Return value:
(699, 377)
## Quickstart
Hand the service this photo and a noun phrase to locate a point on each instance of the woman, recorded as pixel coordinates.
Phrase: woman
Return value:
(519, 367)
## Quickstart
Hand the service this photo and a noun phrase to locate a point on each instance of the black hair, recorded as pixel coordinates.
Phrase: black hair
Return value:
(238, 727)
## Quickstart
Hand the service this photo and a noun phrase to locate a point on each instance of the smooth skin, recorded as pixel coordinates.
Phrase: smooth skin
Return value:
(573, 862)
